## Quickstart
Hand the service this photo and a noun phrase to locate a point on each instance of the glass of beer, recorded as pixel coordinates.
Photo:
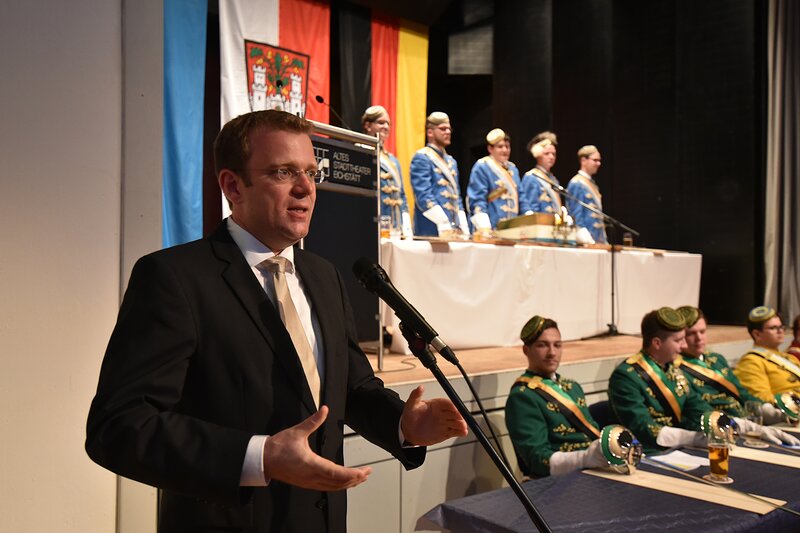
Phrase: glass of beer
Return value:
(718, 456)
(386, 226)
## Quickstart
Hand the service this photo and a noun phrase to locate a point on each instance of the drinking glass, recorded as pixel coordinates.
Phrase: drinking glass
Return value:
(718, 458)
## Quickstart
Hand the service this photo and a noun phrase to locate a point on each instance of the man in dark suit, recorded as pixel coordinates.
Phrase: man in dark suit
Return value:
(205, 393)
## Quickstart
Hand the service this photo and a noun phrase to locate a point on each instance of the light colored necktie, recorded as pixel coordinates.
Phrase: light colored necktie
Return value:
(277, 265)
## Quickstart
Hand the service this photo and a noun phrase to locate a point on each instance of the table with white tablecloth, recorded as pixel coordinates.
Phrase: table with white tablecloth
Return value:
(479, 295)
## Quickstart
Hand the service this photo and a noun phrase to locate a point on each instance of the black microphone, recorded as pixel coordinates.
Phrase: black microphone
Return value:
(322, 101)
(279, 86)
(374, 278)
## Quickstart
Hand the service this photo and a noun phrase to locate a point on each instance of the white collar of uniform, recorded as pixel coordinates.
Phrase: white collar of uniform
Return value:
(505, 165)
(585, 175)
(255, 251)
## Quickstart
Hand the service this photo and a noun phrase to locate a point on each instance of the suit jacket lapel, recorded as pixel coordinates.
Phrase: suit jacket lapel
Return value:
(240, 279)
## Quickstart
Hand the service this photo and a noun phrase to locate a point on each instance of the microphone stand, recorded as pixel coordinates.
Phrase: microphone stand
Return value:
(420, 349)
(614, 225)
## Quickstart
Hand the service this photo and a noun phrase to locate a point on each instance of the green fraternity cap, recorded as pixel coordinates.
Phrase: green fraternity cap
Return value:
(762, 313)
(690, 315)
(668, 318)
(532, 329)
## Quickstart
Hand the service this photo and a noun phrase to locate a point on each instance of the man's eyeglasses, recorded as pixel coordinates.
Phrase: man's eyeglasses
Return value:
(776, 328)
(285, 175)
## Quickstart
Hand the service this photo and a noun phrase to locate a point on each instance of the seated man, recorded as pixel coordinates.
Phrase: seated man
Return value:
(651, 396)
(546, 415)
(493, 191)
(765, 370)
(710, 376)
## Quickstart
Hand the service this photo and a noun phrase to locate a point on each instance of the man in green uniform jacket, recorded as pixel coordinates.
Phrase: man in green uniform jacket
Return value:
(651, 396)
(546, 414)
(710, 376)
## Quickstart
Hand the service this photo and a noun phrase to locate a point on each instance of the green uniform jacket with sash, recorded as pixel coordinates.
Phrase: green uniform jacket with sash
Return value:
(644, 408)
(715, 386)
(537, 426)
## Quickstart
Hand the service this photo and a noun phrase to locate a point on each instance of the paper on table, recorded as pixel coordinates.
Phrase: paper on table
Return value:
(692, 489)
(681, 460)
(781, 459)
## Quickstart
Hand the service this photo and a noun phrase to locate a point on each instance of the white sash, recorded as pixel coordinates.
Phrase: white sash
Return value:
(388, 165)
(505, 175)
(441, 164)
(590, 184)
(782, 362)
(545, 181)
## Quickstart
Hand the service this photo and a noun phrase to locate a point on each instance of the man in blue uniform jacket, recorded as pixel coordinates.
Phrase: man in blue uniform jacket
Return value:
(438, 209)
(493, 191)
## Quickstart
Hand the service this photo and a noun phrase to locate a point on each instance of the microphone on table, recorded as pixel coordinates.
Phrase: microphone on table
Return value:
(374, 278)
(322, 101)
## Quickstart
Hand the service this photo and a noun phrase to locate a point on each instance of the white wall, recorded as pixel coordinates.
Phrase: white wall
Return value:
(61, 182)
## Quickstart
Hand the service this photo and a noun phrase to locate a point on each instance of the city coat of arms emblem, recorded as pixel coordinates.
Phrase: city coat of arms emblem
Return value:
(277, 78)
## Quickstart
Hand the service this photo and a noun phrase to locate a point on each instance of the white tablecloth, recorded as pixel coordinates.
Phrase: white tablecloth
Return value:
(479, 295)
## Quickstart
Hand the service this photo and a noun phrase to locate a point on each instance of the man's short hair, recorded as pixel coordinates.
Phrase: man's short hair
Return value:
(660, 323)
(796, 326)
(586, 151)
(232, 145)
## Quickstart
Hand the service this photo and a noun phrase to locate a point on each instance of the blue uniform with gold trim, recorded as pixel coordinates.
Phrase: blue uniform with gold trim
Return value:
(393, 197)
(537, 195)
(494, 189)
(434, 179)
(584, 188)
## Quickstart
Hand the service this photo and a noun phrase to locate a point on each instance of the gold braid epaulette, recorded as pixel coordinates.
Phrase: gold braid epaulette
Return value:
(531, 382)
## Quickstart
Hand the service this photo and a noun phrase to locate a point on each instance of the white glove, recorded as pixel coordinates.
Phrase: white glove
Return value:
(565, 462)
(405, 221)
(462, 222)
(773, 435)
(584, 237)
(481, 221)
(670, 437)
(437, 215)
(771, 414)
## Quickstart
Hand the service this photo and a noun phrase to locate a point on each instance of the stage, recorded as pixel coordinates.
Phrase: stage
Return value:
(401, 369)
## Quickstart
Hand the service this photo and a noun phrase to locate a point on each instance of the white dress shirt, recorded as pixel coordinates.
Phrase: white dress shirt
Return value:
(255, 252)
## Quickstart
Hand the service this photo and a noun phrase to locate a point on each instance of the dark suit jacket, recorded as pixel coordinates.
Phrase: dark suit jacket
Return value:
(199, 361)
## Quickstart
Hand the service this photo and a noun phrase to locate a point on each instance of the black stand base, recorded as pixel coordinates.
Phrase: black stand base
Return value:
(610, 332)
